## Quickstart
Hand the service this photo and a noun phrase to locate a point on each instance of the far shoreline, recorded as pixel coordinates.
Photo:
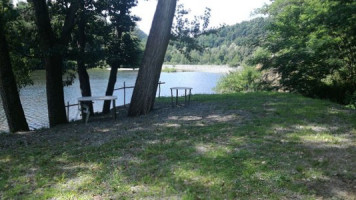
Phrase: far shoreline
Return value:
(193, 68)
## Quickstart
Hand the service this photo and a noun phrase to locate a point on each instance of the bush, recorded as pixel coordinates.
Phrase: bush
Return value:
(169, 70)
(249, 79)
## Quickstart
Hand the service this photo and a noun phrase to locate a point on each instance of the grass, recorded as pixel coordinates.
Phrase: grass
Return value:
(169, 69)
(234, 146)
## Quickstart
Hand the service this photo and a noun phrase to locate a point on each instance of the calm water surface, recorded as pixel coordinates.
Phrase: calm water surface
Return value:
(33, 97)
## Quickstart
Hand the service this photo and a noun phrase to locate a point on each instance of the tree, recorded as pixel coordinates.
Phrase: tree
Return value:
(123, 47)
(24, 50)
(8, 88)
(313, 45)
(231, 45)
(88, 43)
(84, 80)
(52, 48)
(149, 73)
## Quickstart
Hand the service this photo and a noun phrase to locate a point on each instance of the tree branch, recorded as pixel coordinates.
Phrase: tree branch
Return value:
(69, 22)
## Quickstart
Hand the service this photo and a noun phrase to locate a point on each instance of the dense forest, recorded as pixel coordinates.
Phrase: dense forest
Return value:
(228, 45)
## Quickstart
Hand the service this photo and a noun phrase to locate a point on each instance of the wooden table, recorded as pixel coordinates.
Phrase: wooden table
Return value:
(99, 98)
(187, 91)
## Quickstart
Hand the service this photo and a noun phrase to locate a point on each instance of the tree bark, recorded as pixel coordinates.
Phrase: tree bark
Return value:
(52, 47)
(9, 92)
(148, 76)
(111, 86)
(84, 80)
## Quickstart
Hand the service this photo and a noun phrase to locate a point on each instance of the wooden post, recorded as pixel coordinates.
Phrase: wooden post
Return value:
(68, 110)
(114, 108)
(124, 94)
(185, 97)
(172, 97)
(190, 94)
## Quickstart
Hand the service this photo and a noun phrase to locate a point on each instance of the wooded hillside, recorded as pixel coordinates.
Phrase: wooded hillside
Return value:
(231, 45)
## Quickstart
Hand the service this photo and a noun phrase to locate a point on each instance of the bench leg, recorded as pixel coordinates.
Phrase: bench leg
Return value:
(86, 112)
(172, 98)
(185, 97)
(190, 93)
(114, 108)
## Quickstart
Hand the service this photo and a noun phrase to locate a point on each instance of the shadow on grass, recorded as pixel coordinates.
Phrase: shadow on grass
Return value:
(221, 147)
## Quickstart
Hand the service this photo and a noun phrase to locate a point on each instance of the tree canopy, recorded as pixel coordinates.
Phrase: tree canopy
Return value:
(228, 45)
(313, 45)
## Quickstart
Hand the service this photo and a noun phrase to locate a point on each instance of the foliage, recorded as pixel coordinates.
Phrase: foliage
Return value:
(169, 70)
(254, 145)
(110, 36)
(231, 45)
(185, 31)
(123, 45)
(24, 51)
(313, 44)
(248, 80)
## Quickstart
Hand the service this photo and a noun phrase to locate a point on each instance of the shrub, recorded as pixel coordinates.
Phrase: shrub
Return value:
(249, 79)
(169, 69)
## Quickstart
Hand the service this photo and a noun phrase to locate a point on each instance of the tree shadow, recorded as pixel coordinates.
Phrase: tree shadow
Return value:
(275, 147)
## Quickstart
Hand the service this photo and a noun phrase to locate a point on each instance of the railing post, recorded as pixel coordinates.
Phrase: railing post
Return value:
(68, 111)
(124, 94)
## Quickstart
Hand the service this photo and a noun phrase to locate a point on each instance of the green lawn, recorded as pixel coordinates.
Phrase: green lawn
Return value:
(237, 146)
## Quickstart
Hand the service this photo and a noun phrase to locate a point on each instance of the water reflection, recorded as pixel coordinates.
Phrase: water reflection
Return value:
(33, 97)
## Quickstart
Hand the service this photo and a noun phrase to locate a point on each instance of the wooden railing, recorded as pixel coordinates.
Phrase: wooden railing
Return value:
(117, 89)
(68, 106)
(131, 87)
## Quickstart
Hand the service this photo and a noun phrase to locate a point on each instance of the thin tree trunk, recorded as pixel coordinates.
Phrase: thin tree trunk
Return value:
(114, 68)
(148, 76)
(84, 80)
(9, 93)
(111, 86)
(53, 58)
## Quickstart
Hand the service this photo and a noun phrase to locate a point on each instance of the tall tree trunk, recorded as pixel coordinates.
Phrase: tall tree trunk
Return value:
(53, 58)
(84, 80)
(8, 89)
(148, 76)
(111, 86)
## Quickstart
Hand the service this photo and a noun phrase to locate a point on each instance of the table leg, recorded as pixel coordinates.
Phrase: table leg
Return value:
(114, 105)
(190, 93)
(185, 97)
(172, 97)
(81, 111)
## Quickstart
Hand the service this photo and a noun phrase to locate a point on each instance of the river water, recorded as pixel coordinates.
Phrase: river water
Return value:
(34, 103)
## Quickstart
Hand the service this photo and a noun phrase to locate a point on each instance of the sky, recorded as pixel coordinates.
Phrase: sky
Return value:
(223, 12)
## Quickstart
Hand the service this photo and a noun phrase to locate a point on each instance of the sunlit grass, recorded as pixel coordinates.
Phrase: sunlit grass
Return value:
(233, 146)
